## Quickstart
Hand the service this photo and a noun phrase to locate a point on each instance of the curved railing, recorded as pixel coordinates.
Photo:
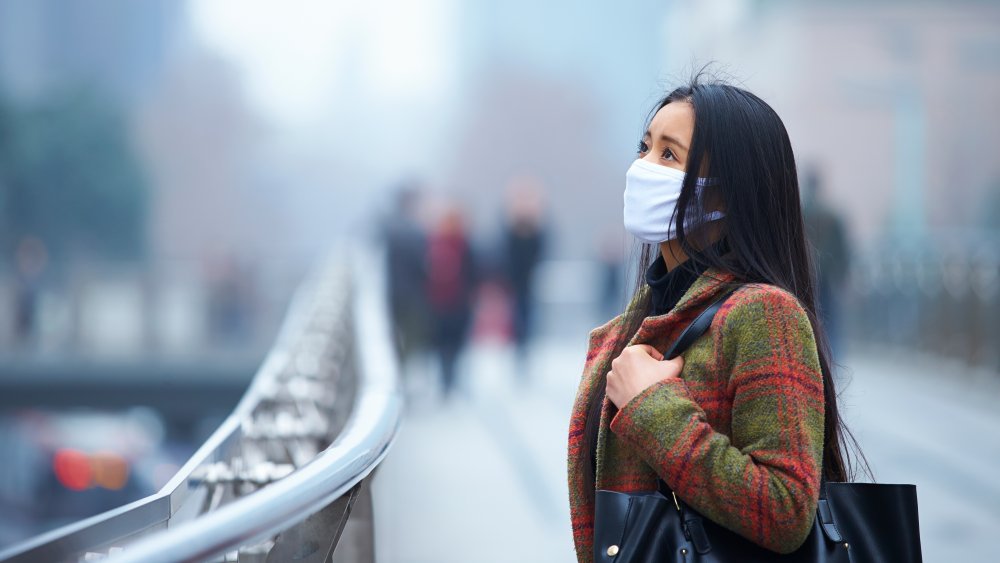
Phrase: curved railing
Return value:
(286, 475)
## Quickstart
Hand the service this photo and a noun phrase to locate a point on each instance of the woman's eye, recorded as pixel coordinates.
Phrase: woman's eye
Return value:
(668, 154)
(642, 147)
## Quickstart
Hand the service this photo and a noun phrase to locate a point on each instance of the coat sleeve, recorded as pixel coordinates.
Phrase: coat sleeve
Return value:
(763, 481)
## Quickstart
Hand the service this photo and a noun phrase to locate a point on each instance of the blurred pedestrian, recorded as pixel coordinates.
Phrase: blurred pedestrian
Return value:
(31, 258)
(741, 425)
(830, 252)
(450, 287)
(231, 299)
(524, 243)
(406, 270)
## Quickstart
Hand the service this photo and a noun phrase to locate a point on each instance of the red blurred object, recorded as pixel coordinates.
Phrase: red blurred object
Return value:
(72, 469)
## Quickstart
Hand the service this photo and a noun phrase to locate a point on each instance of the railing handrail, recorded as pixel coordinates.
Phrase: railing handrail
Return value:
(355, 452)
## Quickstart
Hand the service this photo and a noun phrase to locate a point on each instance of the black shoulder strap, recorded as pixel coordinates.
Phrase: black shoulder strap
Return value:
(697, 327)
(693, 331)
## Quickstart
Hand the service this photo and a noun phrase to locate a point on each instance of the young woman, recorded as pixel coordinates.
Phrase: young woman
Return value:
(743, 425)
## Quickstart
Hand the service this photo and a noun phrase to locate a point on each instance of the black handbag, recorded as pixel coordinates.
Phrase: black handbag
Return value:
(855, 522)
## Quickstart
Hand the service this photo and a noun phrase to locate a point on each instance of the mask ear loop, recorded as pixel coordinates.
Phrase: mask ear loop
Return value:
(702, 215)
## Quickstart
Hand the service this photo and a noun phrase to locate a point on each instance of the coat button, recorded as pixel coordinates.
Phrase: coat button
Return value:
(612, 551)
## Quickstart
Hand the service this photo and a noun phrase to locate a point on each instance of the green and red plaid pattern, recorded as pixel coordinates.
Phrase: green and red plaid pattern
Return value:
(739, 436)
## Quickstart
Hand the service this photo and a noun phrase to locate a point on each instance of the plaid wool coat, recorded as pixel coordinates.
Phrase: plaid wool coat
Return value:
(738, 436)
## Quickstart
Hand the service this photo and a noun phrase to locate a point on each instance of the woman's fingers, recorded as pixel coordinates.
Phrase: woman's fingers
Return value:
(635, 370)
(653, 352)
(674, 366)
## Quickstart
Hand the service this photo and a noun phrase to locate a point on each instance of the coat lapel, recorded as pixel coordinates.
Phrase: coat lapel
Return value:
(659, 332)
(617, 467)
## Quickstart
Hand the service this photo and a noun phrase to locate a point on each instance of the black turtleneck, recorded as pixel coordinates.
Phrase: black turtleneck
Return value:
(669, 287)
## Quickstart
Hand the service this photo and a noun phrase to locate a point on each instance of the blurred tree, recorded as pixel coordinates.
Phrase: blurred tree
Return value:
(70, 178)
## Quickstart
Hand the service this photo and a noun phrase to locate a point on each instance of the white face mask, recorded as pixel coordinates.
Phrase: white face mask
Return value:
(651, 193)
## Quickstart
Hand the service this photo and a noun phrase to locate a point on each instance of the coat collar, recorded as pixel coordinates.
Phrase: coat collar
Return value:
(660, 332)
(702, 292)
(657, 330)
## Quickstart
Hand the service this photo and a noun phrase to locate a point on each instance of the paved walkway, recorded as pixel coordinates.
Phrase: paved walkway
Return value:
(482, 478)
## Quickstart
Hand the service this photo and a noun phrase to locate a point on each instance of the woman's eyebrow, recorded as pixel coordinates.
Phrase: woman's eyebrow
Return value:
(669, 139)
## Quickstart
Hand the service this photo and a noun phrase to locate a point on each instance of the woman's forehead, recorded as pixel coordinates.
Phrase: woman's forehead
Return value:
(675, 119)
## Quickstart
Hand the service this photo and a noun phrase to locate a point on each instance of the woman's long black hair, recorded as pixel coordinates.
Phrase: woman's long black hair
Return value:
(740, 142)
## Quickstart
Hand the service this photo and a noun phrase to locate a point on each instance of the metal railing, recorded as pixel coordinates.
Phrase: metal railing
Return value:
(286, 474)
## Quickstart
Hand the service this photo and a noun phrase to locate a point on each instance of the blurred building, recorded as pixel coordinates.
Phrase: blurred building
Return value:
(147, 109)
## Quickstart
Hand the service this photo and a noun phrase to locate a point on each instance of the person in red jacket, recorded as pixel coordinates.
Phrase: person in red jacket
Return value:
(743, 425)
(450, 286)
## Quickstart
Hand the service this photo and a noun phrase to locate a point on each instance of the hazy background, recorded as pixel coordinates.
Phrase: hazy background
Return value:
(170, 170)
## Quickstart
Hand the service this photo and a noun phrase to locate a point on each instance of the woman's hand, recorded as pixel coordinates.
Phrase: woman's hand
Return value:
(636, 369)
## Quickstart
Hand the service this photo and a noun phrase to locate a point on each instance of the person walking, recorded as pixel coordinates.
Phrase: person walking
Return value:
(827, 234)
(743, 425)
(524, 243)
(406, 270)
(450, 287)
